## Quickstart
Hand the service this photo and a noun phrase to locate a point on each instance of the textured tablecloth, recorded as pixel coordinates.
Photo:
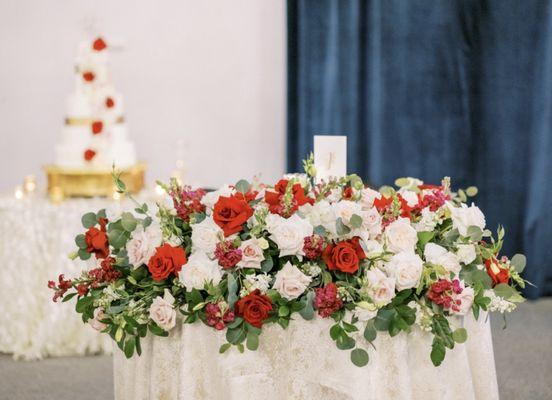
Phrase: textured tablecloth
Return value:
(36, 238)
(302, 362)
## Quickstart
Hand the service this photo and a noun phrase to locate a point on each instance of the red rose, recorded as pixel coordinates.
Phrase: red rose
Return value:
(99, 44)
(254, 308)
(496, 272)
(344, 256)
(230, 213)
(89, 154)
(96, 240)
(97, 127)
(166, 260)
(109, 102)
(275, 200)
(88, 76)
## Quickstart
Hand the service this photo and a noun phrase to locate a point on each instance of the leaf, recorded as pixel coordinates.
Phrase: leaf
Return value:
(345, 342)
(359, 357)
(83, 254)
(89, 220)
(80, 241)
(341, 228)
(320, 230)
(117, 238)
(234, 324)
(68, 297)
(267, 265)
(283, 311)
(252, 342)
(335, 331)
(128, 221)
(437, 352)
(235, 336)
(119, 334)
(424, 238)
(129, 346)
(519, 261)
(224, 347)
(383, 319)
(349, 327)
(138, 346)
(232, 291)
(243, 186)
(356, 221)
(308, 311)
(157, 330)
(460, 335)
(504, 290)
(475, 233)
(370, 332)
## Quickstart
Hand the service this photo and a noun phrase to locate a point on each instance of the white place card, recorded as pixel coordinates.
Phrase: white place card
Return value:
(330, 156)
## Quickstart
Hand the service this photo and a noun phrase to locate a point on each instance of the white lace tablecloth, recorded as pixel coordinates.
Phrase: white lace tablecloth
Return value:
(302, 362)
(36, 238)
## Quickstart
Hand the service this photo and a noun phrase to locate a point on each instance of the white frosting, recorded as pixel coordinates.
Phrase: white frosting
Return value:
(87, 104)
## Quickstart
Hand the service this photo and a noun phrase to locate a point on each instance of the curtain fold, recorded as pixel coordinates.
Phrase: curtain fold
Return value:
(432, 89)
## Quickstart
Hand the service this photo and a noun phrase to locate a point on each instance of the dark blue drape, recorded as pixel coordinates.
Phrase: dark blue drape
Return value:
(431, 88)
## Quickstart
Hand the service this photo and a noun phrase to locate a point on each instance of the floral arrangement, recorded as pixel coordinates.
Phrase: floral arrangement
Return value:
(248, 255)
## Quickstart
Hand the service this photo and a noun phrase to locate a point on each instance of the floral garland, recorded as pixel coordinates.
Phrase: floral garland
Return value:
(249, 255)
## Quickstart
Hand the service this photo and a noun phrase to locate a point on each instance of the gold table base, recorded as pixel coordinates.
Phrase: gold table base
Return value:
(73, 182)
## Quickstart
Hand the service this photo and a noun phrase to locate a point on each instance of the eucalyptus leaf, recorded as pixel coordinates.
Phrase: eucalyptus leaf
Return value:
(519, 261)
(307, 312)
(89, 220)
(359, 357)
(356, 221)
(128, 221)
(341, 228)
(243, 186)
(460, 335)
(252, 341)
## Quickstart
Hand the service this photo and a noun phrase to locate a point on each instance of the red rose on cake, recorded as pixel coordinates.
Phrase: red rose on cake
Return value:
(254, 308)
(96, 240)
(230, 213)
(99, 44)
(344, 256)
(89, 155)
(167, 260)
(97, 127)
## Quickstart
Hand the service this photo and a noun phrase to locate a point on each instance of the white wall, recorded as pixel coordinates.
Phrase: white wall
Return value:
(211, 73)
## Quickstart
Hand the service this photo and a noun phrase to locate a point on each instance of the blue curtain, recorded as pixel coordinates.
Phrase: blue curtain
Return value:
(433, 88)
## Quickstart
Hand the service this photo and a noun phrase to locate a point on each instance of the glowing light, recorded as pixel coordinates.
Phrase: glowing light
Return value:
(18, 192)
(159, 190)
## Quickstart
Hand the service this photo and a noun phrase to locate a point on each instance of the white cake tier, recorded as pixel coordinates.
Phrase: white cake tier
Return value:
(111, 146)
(93, 103)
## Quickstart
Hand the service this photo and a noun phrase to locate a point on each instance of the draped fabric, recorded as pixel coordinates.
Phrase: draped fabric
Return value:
(432, 89)
(302, 363)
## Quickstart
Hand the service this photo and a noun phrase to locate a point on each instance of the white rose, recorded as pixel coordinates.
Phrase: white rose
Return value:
(410, 197)
(205, 236)
(320, 213)
(288, 234)
(438, 255)
(381, 288)
(345, 209)
(211, 198)
(142, 245)
(406, 267)
(371, 248)
(252, 254)
(466, 253)
(400, 236)
(466, 300)
(367, 198)
(200, 270)
(162, 311)
(371, 221)
(96, 321)
(365, 311)
(464, 217)
(428, 222)
(291, 282)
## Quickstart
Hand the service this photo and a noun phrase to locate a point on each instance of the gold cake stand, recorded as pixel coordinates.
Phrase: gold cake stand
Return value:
(69, 182)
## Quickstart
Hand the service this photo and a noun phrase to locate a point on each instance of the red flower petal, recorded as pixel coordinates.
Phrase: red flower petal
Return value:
(99, 44)
(88, 76)
(109, 102)
(97, 127)
(89, 154)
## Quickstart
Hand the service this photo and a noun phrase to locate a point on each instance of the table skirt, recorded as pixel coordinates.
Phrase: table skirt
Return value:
(302, 362)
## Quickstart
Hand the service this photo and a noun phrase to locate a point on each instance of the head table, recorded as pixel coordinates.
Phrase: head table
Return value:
(302, 362)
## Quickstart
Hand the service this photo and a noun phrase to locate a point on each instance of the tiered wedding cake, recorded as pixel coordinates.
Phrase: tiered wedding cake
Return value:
(94, 138)
(95, 132)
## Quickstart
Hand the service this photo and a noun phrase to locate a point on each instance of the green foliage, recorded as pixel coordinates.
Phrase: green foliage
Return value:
(359, 357)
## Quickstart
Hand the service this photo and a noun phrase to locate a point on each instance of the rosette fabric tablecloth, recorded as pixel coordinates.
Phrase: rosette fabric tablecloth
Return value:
(36, 238)
(302, 362)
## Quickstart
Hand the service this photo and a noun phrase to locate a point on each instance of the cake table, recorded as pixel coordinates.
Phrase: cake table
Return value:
(302, 362)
